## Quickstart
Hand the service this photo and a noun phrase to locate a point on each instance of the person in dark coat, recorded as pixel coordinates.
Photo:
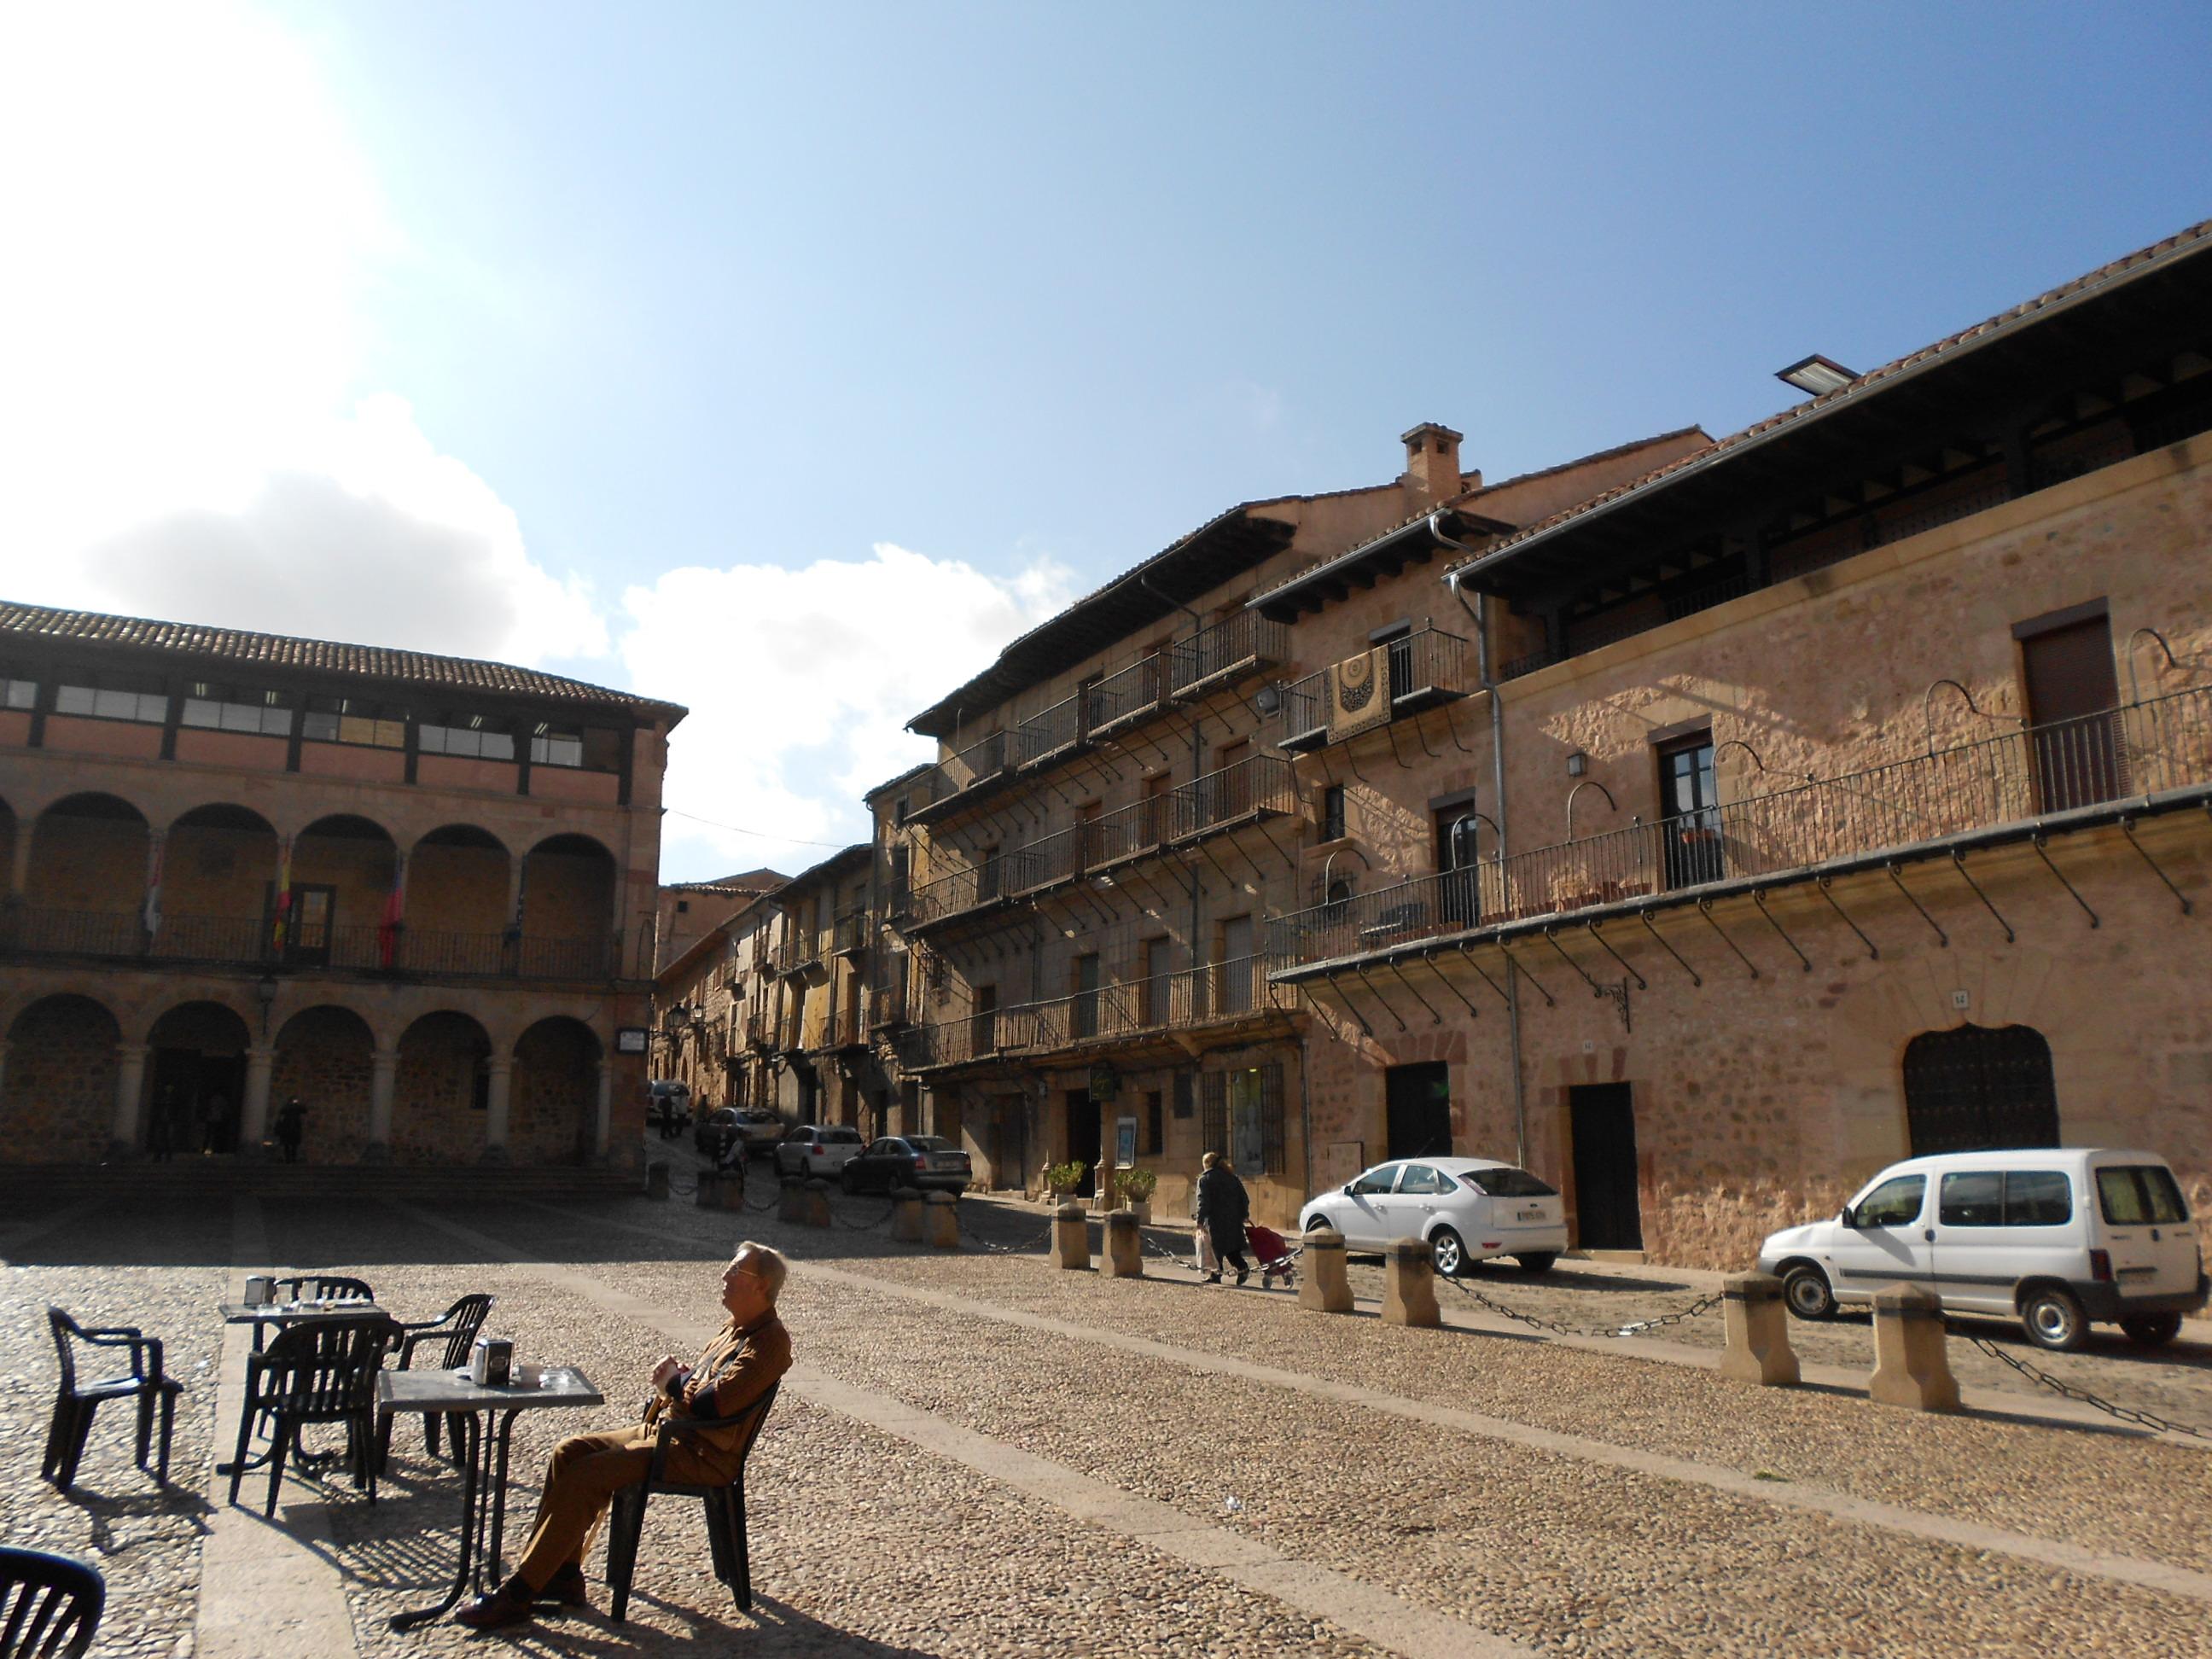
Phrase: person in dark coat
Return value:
(1223, 1207)
(289, 1123)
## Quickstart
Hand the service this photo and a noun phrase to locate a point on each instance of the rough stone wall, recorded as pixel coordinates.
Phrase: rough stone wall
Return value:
(208, 872)
(435, 1119)
(322, 1061)
(552, 1098)
(567, 895)
(58, 1099)
(87, 864)
(458, 889)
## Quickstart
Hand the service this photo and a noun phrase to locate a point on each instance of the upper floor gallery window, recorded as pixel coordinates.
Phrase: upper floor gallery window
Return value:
(237, 708)
(109, 697)
(17, 693)
(355, 719)
(477, 737)
(594, 748)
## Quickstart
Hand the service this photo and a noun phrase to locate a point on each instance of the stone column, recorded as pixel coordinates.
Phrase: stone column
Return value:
(603, 1120)
(254, 1110)
(499, 1072)
(19, 867)
(130, 1084)
(383, 1075)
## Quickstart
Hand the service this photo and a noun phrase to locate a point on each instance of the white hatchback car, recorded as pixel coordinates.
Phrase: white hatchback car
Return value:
(1466, 1208)
(2054, 1237)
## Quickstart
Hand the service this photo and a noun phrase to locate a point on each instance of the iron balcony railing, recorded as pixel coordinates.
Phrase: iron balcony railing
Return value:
(1246, 643)
(850, 932)
(970, 771)
(2143, 748)
(1259, 786)
(365, 946)
(1128, 696)
(759, 1029)
(1427, 666)
(1052, 732)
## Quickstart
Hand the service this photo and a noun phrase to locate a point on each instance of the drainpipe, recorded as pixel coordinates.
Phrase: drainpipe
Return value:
(1479, 612)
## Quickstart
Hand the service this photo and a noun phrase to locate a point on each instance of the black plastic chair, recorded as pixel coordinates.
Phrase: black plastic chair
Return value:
(76, 1402)
(323, 1372)
(725, 1505)
(451, 1334)
(50, 1605)
(313, 1287)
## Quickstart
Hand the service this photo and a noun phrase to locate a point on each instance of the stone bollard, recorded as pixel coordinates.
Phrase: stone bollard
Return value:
(805, 1203)
(1124, 1245)
(906, 1214)
(1758, 1348)
(656, 1180)
(1070, 1237)
(709, 1195)
(734, 1190)
(940, 1221)
(1409, 1284)
(1324, 1287)
(1911, 1367)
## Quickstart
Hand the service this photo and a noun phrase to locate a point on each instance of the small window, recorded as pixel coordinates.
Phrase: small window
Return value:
(1376, 1180)
(2139, 1195)
(1895, 1203)
(113, 697)
(17, 693)
(237, 708)
(473, 737)
(556, 745)
(1155, 1123)
(1971, 1198)
(2038, 1198)
(683, 906)
(354, 720)
(1332, 812)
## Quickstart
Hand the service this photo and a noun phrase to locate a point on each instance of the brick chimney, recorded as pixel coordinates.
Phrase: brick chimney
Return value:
(1431, 475)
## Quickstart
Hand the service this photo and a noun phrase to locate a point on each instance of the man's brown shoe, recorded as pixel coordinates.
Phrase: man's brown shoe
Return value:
(507, 1605)
(568, 1587)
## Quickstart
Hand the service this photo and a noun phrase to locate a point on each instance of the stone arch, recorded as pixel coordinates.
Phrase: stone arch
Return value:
(324, 1060)
(86, 881)
(461, 895)
(195, 1076)
(440, 1090)
(1976, 1088)
(218, 873)
(342, 869)
(569, 884)
(57, 1093)
(554, 1096)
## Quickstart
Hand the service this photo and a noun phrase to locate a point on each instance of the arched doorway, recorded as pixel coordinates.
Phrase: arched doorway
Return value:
(554, 1100)
(567, 908)
(324, 1060)
(57, 1097)
(86, 885)
(441, 1091)
(195, 1076)
(1976, 1087)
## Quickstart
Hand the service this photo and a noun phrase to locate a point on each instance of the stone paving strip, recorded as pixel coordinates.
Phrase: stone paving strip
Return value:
(1626, 1561)
(1397, 1625)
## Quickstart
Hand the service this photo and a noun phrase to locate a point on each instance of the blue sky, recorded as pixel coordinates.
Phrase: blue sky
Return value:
(785, 362)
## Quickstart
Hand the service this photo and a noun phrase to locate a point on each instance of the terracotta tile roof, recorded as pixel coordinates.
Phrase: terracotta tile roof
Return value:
(232, 645)
(2181, 243)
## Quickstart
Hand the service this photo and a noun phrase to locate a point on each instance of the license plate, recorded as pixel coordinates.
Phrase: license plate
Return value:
(1532, 1215)
(2138, 1272)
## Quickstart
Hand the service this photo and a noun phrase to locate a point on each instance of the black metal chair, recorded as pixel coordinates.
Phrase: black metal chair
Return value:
(323, 1372)
(74, 1401)
(50, 1605)
(452, 1333)
(725, 1505)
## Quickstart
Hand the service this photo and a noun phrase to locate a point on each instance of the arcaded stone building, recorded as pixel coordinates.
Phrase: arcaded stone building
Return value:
(1834, 792)
(415, 892)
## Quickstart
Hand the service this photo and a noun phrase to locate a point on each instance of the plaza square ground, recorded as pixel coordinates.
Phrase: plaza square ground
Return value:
(979, 1453)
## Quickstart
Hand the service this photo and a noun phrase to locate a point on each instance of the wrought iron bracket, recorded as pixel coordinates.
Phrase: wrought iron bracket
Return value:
(1706, 909)
(1695, 977)
(1896, 876)
(1390, 731)
(1874, 951)
(1429, 961)
(1513, 965)
(1958, 863)
(1435, 1018)
(1551, 938)
(2040, 843)
(1452, 727)
(1503, 996)
(1349, 1006)
(2128, 829)
(1618, 995)
(1605, 944)
(1759, 897)
(1380, 997)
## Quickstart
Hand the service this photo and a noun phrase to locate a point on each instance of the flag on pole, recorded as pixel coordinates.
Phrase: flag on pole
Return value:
(284, 897)
(156, 855)
(395, 905)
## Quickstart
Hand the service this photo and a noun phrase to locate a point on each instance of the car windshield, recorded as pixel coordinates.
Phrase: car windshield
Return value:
(1512, 1183)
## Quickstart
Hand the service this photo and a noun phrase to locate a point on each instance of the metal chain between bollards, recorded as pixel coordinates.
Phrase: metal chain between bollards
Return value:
(969, 1233)
(2042, 1379)
(1703, 1304)
(889, 1210)
(1188, 1264)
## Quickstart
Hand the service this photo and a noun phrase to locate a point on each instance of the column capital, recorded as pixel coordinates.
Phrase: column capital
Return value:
(384, 1056)
(260, 1053)
(132, 1050)
(500, 1065)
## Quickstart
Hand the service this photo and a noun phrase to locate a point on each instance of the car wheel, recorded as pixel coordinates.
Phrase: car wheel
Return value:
(1806, 1291)
(2151, 1330)
(2053, 1319)
(1535, 1262)
(1450, 1252)
(845, 1180)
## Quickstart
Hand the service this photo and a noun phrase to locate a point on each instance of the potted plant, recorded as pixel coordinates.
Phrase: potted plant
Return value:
(1136, 1188)
(1061, 1179)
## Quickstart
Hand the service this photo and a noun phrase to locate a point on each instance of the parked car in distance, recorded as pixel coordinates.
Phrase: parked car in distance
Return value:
(918, 1161)
(715, 1131)
(817, 1149)
(759, 1131)
(2055, 1237)
(668, 1106)
(1467, 1209)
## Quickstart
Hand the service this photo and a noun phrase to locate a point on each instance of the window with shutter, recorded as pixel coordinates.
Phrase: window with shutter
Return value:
(1213, 1110)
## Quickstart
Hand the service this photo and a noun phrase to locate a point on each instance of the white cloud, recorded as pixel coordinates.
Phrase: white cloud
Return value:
(189, 227)
(800, 682)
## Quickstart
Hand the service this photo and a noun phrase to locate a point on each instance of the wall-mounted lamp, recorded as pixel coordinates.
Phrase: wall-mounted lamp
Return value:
(1577, 763)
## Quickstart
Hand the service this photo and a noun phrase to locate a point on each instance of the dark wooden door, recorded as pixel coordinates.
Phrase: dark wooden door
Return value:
(1418, 1104)
(1602, 1120)
(1082, 1137)
(2073, 732)
(1976, 1089)
(983, 1021)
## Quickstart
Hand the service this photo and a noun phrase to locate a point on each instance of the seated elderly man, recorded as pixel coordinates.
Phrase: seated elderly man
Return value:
(746, 1357)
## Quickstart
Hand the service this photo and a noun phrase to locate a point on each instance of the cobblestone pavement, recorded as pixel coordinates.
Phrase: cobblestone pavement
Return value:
(1562, 1501)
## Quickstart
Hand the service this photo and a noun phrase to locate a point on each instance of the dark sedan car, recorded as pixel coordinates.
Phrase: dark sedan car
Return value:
(918, 1161)
(713, 1133)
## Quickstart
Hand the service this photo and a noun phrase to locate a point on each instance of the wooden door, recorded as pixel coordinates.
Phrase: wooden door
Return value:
(1418, 1107)
(1608, 1213)
(2073, 736)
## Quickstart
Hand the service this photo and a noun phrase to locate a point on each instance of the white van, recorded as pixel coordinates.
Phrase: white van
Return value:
(2055, 1237)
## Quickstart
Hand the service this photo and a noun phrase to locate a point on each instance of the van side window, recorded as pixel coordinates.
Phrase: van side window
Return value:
(2139, 1194)
(2038, 1198)
(1894, 1203)
(1972, 1198)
